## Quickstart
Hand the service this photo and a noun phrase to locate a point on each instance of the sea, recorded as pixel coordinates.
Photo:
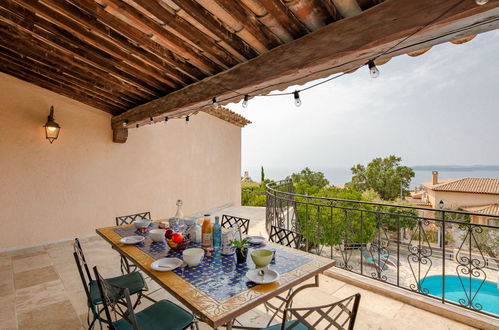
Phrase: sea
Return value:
(340, 176)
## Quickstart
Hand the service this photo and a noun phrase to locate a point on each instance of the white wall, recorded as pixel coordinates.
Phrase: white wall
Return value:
(83, 180)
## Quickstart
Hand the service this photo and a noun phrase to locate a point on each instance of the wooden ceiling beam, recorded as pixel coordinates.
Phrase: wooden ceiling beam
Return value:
(350, 44)
(285, 17)
(207, 44)
(205, 18)
(65, 47)
(173, 42)
(180, 70)
(91, 30)
(250, 23)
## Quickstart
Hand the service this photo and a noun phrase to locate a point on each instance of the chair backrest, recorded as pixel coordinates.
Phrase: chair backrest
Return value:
(115, 299)
(128, 219)
(338, 315)
(83, 269)
(285, 237)
(231, 221)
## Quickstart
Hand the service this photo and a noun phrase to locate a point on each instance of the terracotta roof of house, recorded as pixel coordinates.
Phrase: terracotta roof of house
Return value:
(228, 115)
(492, 209)
(469, 185)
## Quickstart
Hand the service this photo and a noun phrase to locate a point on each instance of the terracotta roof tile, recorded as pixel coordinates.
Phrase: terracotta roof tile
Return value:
(492, 209)
(470, 185)
(228, 115)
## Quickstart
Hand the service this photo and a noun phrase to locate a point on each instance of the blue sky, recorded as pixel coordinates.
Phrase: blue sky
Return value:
(439, 108)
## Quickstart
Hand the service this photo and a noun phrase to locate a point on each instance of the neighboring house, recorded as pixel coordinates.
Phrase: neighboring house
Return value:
(477, 195)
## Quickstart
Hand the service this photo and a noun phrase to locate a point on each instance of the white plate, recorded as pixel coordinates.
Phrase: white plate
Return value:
(132, 239)
(166, 264)
(256, 239)
(269, 276)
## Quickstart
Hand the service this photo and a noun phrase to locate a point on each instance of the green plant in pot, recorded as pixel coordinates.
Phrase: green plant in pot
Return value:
(240, 246)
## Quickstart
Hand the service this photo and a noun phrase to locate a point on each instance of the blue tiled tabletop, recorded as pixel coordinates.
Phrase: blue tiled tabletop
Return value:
(220, 277)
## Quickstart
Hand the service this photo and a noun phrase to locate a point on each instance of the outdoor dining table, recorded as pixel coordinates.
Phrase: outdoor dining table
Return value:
(217, 291)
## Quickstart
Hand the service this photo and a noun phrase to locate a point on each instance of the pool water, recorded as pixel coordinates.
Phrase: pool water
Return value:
(487, 296)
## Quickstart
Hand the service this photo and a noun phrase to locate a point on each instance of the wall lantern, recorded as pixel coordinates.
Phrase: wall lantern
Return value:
(441, 204)
(51, 127)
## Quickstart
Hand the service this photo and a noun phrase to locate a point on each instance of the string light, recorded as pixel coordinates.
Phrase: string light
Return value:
(214, 102)
(245, 102)
(186, 119)
(166, 119)
(297, 98)
(481, 2)
(137, 126)
(125, 123)
(373, 69)
(151, 119)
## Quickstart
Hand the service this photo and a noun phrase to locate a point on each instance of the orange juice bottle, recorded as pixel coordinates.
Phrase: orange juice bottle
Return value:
(206, 231)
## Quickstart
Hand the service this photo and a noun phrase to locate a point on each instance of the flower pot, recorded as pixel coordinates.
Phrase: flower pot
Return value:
(241, 255)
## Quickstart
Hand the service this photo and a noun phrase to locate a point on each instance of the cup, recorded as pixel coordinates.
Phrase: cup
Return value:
(261, 257)
(193, 257)
(157, 235)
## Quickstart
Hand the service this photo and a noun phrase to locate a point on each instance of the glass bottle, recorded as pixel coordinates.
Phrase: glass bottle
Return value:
(206, 241)
(217, 234)
(175, 221)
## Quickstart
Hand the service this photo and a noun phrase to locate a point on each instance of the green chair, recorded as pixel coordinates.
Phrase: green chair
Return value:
(162, 315)
(339, 315)
(133, 281)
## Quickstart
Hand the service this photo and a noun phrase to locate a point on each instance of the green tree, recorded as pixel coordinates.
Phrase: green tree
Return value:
(309, 178)
(262, 176)
(383, 175)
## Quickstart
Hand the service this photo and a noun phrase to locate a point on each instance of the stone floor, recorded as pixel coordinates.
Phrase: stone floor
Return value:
(41, 289)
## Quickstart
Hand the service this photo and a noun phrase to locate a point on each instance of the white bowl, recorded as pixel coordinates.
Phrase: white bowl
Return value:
(193, 257)
(141, 222)
(157, 235)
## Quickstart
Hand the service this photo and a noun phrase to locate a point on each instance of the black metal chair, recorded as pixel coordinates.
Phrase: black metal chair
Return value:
(231, 221)
(291, 239)
(125, 266)
(162, 314)
(134, 282)
(340, 315)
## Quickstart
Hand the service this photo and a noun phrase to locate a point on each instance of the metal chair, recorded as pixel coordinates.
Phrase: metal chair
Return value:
(340, 315)
(162, 314)
(125, 266)
(231, 221)
(134, 282)
(291, 239)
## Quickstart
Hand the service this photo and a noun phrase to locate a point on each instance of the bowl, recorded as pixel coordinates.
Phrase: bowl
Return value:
(157, 235)
(193, 257)
(261, 257)
(139, 223)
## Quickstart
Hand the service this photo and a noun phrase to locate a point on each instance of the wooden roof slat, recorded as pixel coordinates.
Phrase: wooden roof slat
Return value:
(88, 28)
(250, 22)
(173, 42)
(137, 66)
(98, 90)
(176, 22)
(181, 71)
(357, 40)
(285, 17)
(71, 48)
(205, 18)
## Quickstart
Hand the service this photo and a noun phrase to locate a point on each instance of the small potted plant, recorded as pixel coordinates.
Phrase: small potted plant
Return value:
(241, 250)
(240, 246)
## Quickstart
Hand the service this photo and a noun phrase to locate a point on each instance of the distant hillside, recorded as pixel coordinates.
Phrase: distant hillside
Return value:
(455, 168)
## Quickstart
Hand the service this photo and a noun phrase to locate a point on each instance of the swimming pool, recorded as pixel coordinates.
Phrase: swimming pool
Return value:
(488, 296)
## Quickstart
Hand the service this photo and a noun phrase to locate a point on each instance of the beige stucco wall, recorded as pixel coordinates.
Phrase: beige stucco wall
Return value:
(454, 200)
(83, 180)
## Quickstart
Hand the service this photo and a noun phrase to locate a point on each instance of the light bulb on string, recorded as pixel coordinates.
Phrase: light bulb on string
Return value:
(373, 70)
(481, 2)
(245, 102)
(214, 102)
(187, 119)
(125, 123)
(297, 98)
(137, 126)
(151, 120)
(166, 119)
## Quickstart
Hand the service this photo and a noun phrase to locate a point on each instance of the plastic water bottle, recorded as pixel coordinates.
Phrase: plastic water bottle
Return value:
(217, 234)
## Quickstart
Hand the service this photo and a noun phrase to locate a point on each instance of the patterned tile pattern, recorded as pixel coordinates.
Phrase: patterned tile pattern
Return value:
(218, 276)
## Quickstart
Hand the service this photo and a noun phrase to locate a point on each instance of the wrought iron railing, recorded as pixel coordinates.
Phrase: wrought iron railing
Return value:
(444, 254)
